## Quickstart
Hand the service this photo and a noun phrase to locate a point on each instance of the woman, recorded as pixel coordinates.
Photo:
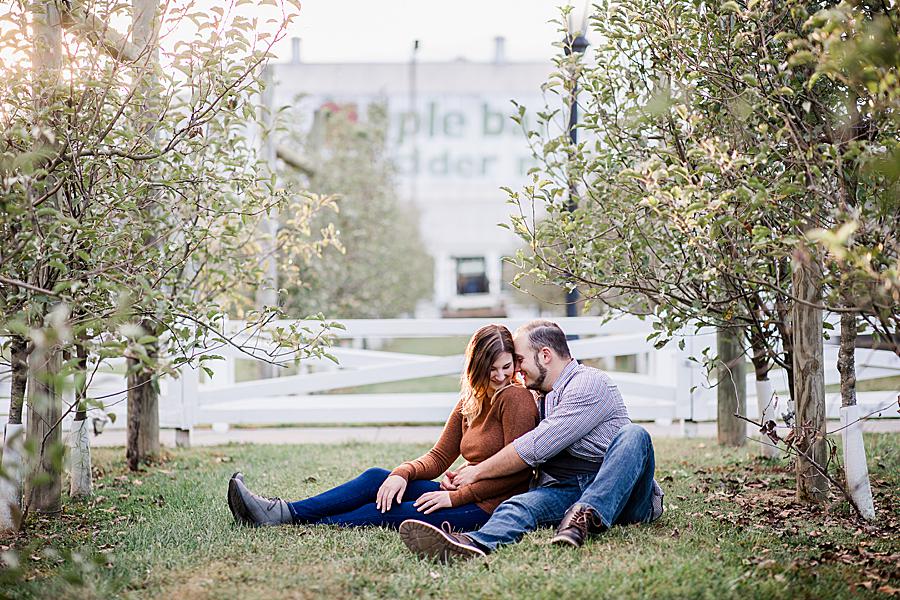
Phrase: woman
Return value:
(493, 411)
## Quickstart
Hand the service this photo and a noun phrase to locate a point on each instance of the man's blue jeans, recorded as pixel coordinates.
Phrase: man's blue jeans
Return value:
(352, 504)
(620, 493)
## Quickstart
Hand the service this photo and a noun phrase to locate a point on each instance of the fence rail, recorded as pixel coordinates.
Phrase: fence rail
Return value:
(664, 384)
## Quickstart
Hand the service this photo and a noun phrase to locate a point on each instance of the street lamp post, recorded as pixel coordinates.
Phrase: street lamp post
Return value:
(577, 44)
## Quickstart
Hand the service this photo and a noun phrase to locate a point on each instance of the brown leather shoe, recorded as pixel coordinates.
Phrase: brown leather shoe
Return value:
(579, 521)
(427, 541)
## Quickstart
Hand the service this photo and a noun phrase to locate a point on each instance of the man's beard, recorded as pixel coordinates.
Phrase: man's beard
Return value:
(537, 384)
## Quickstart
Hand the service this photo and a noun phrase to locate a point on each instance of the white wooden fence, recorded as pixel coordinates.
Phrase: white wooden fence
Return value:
(667, 386)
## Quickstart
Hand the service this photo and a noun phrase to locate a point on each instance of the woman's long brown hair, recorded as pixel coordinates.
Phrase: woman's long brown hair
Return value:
(486, 345)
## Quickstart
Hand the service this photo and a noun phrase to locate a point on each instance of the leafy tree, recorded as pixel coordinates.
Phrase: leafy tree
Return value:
(131, 193)
(715, 153)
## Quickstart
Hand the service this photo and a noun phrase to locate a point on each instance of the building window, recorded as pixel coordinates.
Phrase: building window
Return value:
(471, 276)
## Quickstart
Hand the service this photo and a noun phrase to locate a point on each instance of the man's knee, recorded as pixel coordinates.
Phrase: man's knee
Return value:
(634, 434)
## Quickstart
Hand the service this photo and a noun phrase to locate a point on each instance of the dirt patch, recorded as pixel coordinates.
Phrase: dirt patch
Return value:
(761, 496)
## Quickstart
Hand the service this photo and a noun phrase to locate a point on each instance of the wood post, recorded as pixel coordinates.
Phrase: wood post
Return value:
(809, 378)
(731, 387)
(182, 438)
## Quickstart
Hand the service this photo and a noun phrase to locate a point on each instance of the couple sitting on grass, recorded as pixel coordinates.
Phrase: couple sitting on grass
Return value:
(566, 456)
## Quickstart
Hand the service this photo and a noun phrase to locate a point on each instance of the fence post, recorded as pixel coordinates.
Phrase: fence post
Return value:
(683, 371)
(186, 388)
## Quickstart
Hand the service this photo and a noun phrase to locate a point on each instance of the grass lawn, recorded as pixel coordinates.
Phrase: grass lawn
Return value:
(731, 530)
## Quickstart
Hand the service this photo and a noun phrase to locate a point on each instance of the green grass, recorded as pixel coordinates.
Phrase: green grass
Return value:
(881, 384)
(246, 370)
(443, 383)
(442, 346)
(731, 530)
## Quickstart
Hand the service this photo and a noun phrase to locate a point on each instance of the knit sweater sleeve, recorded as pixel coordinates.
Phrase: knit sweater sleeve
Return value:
(518, 415)
(437, 460)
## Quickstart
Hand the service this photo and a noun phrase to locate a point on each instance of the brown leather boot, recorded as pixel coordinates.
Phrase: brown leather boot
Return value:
(579, 521)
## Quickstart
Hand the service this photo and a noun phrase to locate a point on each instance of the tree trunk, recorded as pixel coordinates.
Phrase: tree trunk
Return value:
(765, 394)
(784, 324)
(847, 359)
(12, 463)
(79, 437)
(143, 400)
(43, 490)
(19, 363)
(143, 414)
(809, 379)
(786, 332)
(856, 471)
(731, 387)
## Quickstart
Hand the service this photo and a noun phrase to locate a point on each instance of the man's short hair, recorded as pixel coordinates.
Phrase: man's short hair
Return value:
(543, 333)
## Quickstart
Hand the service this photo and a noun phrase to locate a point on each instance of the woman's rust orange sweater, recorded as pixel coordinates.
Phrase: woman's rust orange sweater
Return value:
(512, 413)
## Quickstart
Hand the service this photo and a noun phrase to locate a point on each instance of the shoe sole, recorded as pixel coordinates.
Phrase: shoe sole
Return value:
(427, 541)
(561, 540)
(238, 510)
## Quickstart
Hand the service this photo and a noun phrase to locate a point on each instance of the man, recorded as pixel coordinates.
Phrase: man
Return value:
(593, 467)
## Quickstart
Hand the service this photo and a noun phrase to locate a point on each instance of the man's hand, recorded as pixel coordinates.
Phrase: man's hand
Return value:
(447, 483)
(393, 486)
(503, 463)
(466, 475)
(431, 501)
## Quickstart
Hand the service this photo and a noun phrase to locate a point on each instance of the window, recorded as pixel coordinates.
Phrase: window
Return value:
(471, 276)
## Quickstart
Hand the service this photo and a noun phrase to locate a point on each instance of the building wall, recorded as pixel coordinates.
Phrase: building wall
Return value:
(454, 144)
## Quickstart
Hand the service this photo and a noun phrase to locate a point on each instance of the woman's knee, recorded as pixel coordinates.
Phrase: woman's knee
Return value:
(375, 474)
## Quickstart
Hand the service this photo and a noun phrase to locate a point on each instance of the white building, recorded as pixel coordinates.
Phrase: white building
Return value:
(454, 145)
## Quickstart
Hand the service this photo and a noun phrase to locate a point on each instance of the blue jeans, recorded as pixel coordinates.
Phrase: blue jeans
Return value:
(352, 504)
(620, 493)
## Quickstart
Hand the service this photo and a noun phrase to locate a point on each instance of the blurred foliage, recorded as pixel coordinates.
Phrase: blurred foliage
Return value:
(379, 267)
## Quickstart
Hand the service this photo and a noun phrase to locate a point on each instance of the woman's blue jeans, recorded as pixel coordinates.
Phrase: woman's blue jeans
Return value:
(620, 493)
(352, 504)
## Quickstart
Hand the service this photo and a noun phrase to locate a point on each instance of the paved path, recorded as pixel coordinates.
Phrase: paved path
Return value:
(393, 435)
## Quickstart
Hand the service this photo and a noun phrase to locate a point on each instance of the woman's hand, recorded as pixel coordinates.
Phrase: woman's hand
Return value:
(393, 487)
(447, 482)
(431, 501)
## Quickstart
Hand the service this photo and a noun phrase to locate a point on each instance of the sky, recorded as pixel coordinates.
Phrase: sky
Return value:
(384, 31)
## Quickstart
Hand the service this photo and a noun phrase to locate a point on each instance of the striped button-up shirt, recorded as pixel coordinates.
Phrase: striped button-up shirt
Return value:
(582, 414)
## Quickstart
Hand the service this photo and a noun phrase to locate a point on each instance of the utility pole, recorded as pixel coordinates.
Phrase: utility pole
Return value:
(267, 294)
(578, 44)
(414, 175)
